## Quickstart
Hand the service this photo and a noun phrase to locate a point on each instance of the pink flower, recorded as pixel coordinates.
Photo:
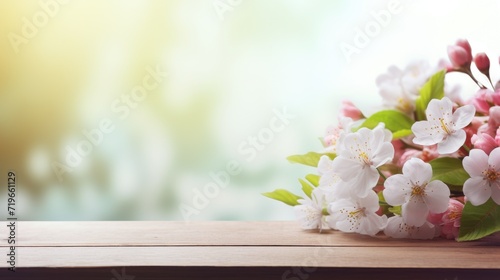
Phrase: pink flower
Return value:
(494, 119)
(348, 109)
(484, 142)
(484, 99)
(334, 132)
(331, 137)
(449, 220)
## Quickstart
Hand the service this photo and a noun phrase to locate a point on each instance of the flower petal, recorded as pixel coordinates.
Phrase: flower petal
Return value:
(426, 133)
(437, 196)
(495, 195)
(396, 228)
(477, 190)
(348, 225)
(325, 165)
(426, 231)
(396, 188)
(372, 224)
(439, 108)
(346, 168)
(370, 202)
(494, 159)
(364, 182)
(308, 216)
(463, 116)
(418, 171)
(476, 163)
(383, 155)
(452, 143)
(415, 211)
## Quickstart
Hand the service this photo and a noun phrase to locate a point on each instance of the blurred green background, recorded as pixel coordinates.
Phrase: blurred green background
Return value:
(224, 68)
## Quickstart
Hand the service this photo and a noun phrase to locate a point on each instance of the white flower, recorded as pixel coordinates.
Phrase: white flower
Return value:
(359, 155)
(330, 184)
(356, 215)
(443, 126)
(484, 181)
(397, 228)
(334, 132)
(310, 212)
(400, 88)
(413, 190)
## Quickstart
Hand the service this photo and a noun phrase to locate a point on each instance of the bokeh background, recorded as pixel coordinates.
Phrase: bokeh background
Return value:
(231, 65)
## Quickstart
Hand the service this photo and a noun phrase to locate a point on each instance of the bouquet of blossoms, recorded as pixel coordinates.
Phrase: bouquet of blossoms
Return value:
(427, 165)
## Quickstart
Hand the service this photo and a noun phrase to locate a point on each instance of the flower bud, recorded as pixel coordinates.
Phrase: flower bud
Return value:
(350, 110)
(482, 63)
(466, 46)
(458, 56)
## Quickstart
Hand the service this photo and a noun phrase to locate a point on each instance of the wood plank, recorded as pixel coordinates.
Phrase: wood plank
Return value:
(245, 273)
(255, 256)
(154, 233)
(249, 274)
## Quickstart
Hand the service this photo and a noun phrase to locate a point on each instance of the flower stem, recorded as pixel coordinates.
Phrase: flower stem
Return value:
(411, 145)
(467, 149)
(469, 73)
(382, 174)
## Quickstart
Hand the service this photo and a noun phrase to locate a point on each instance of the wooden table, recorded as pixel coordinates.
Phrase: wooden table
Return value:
(234, 250)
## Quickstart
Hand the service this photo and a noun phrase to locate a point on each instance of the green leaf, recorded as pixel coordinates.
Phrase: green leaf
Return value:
(313, 179)
(432, 89)
(283, 196)
(450, 171)
(395, 210)
(398, 123)
(310, 158)
(479, 221)
(306, 188)
(401, 133)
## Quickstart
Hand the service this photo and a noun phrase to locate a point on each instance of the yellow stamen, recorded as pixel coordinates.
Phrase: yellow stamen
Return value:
(364, 157)
(404, 105)
(417, 191)
(491, 175)
(444, 126)
(356, 213)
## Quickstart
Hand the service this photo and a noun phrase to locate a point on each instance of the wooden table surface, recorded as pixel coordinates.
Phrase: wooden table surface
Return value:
(234, 250)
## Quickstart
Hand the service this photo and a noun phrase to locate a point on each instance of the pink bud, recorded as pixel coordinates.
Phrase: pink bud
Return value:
(481, 100)
(482, 62)
(484, 142)
(458, 56)
(350, 110)
(466, 46)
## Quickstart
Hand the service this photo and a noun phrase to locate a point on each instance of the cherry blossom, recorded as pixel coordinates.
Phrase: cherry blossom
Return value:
(356, 215)
(484, 181)
(448, 221)
(397, 228)
(400, 88)
(443, 126)
(416, 193)
(310, 212)
(358, 156)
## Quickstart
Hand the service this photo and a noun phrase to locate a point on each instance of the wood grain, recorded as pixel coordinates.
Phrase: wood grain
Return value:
(223, 233)
(243, 250)
(257, 256)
